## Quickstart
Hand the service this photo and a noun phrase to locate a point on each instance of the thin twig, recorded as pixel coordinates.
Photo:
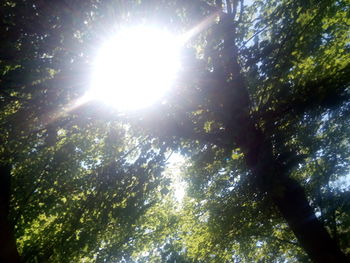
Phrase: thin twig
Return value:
(241, 11)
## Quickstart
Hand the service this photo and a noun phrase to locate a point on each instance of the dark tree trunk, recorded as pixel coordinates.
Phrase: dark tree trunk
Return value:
(286, 193)
(291, 201)
(8, 248)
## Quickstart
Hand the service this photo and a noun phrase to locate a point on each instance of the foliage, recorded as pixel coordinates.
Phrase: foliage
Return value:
(88, 183)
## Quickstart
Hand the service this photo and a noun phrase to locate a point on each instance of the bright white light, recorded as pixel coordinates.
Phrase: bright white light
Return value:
(180, 191)
(135, 68)
(175, 163)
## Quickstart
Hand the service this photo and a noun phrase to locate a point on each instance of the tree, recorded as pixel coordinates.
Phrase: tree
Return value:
(79, 180)
(267, 100)
(261, 107)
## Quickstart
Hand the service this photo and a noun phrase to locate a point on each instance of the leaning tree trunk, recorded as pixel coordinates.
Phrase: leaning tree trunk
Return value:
(289, 198)
(291, 201)
(8, 248)
(286, 193)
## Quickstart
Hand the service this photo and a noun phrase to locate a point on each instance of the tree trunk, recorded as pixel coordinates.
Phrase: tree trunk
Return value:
(8, 248)
(286, 193)
(291, 201)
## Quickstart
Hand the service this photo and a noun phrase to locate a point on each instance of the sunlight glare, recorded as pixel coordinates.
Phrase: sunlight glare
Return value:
(175, 163)
(135, 68)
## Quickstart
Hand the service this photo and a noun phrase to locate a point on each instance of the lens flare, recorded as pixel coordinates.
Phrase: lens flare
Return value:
(135, 68)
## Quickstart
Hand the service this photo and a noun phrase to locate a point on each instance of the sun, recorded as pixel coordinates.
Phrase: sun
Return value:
(135, 68)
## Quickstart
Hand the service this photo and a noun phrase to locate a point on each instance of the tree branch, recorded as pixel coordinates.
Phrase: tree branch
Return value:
(328, 92)
(241, 11)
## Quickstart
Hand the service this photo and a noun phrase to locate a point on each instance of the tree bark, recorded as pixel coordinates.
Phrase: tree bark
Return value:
(286, 193)
(8, 247)
(269, 175)
(289, 197)
(291, 201)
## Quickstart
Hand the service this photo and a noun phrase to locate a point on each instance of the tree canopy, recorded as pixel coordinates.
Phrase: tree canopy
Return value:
(259, 113)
